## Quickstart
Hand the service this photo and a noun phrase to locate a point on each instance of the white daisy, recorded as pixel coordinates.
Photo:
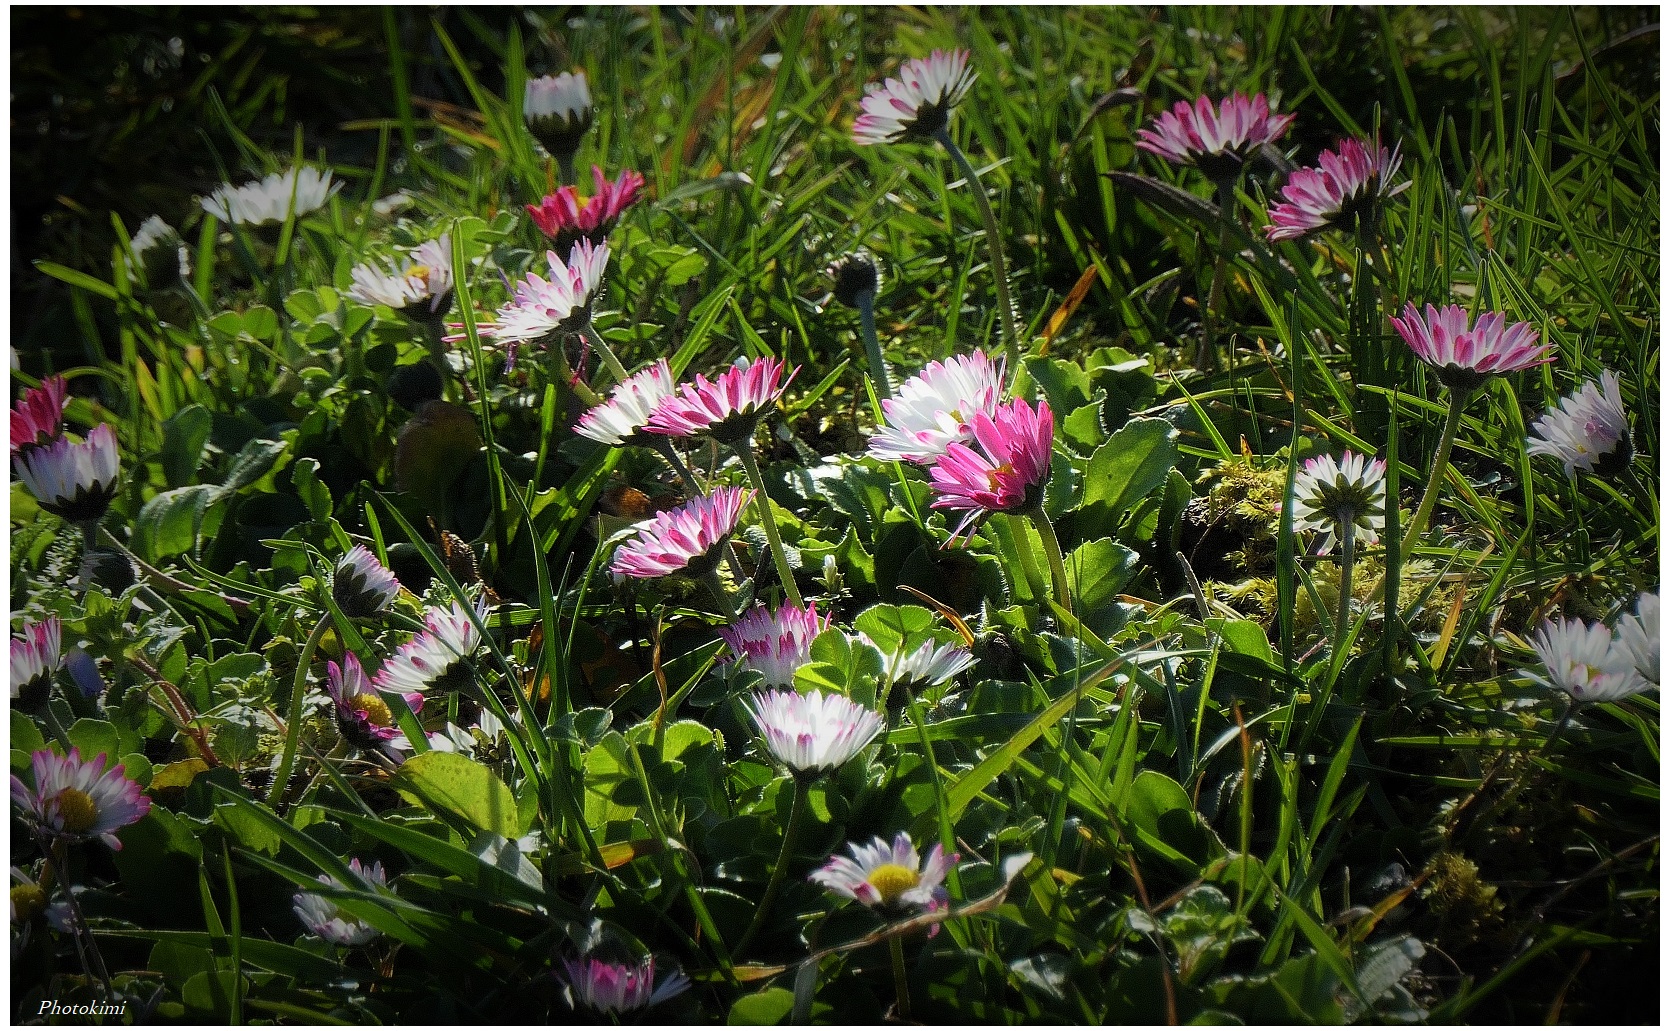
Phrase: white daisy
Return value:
(269, 200)
(1585, 427)
(935, 408)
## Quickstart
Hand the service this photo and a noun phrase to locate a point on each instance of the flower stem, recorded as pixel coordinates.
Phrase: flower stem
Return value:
(715, 586)
(1226, 198)
(1055, 557)
(292, 728)
(1443, 454)
(564, 369)
(743, 451)
(611, 360)
(1346, 587)
(668, 451)
(899, 973)
(91, 959)
(795, 817)
(870, 339)
(991, 231)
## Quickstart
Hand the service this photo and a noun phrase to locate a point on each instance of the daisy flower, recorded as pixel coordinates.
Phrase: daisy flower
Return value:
(36, 659)
(160, 254)
(38, 418)
(1331, 494)
(558, 112)
(73, 480)
(78, 800)
(687, 537)
(619, 987)
(418, 288)
(619, 420)
(323, 918)
(935, 408)
(437, 658)
(1587, 662)
(916, 104)
(775, 643)
(1346, 187)
(567, 219)
(928, 665)
(815, 732)
(269, 199)
(726, 409)
(562, 302)
(1638, 634)
(1463, 357)
(1218, 140)
(1007, 474)
(889, 877)
(364, 718)
(361, 586)
(1587, 429)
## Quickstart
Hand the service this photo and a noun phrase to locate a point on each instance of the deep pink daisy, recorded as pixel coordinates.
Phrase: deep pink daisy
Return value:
(915, 104)
(1462, 357)
(727, 408)
(38, 419)
(775, 643)
(77, 800)
(1346, 188)
(688, 537)
(566, 218)
(1217, 140)
(1006, 472)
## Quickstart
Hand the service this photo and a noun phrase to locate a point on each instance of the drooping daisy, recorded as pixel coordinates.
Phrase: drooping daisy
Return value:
(619, 420)
(889, 876)
(78, 800)
(361, 586)
(927, 665)
(1006, 473)
(1587, 662)
(73, 480)
(935, 408)
(619, 987)
(689, 537)
(323, 918)
(1638, 634)
(38, 418)
(365, 719)
(726, 409)
(775, 643)
(1344, 190)
(562, 302)
(1586, 430)
(558, 112)
(566, 218)
(1462, 357)
(419, 288)
(916, 104)
(270, 199)
(160, 254)
(815, 732)
(1218, 140)
(1330, 494)
(853, 275)
(36, 659)
(437, 657)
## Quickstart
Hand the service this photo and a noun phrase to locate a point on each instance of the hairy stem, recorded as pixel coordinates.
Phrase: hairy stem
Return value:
(870, 340)
(668, 451)
(801, 802)
(992, 233)
(1226, 198)
(1346, 587)
(292, 728)
(743, 450)
(609, 359)
(1443, 455)
(899, 973)
(1055, 557)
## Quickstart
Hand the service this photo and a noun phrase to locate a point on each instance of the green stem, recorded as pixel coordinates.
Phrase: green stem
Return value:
(870, 339)
(992, 232)
(743, 451)
(92, 961)
(1055, 557)
(1443, 454)
(1226, 198)
(611, 360)
(668, 451)
(801, 802)
(1026, 554)
(715, 586)
(899, 972)
(292, 728)
(564, 369)
(1346, 587)
(53, 724)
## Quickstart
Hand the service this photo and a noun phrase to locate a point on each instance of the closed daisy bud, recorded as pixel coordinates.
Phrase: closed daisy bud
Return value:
(854, 275)
(76, 800)
(162, 260)
(557, 110)
(73, 480)
(323, 918)
(362, 587)
(38, 418)
(615, 988)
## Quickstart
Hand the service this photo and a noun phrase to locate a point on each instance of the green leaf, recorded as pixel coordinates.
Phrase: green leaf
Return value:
(839, 665)
(313, 493)
(893, 627)
(1126, 468)
(769, 1006)
(1098, 570)
(74, 278)
(26, 737)
(1244, 636)
(184, 435)
(94, 737)
(251, 463)
(168, 523)
(463, 787)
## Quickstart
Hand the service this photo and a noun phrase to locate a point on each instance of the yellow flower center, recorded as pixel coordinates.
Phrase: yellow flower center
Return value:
(374, 709)
(891, 880)
(28, 901)
(420, 272)
(77, 810)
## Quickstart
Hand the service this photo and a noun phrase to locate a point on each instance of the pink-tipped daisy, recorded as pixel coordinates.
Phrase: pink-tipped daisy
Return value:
(361, 586)
(73, 480)
(365, 719)
(619, 420)
(726, 409)
(562, 302)
(437, 658)
(36, 658)
(889, 876)
(935, 408)
(916, 104)
(38, 418)
(929, 664)
(689, 537)
(78, 800)
(567, 218)
(775, 643)
(558, 112)
(619, 987)
(1218, 140)
(1006, 473)
(1331, 494)
(323, 918)
(1587, 662)
(815, 732)
(419, 287)
(1462, 357)
(1343, 191)
(1638, 634)
(1587, 430)
(301, 190)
